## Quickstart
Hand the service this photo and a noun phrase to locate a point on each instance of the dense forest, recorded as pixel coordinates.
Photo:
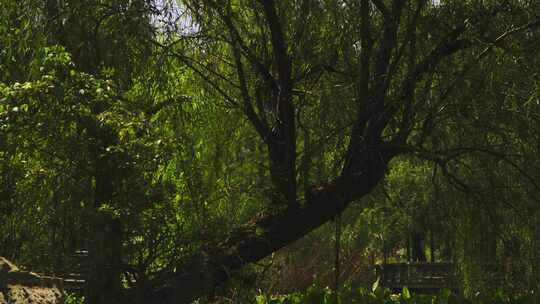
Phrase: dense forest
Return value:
(224, 150)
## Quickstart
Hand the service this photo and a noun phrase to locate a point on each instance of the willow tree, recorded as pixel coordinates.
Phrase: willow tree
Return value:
(389, 67)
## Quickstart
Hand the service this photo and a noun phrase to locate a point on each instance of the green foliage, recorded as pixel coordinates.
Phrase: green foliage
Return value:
(71, 298)
(95, 92)
(347, 294)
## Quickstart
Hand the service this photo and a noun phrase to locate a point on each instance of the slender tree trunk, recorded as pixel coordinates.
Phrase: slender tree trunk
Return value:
(105, 254)
(446, 251)
(337, 261)
(409, 255)
(431, 246)
(418, 243)
(535, 276)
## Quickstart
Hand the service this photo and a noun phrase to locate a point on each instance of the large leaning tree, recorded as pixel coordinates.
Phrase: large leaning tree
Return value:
(390, 68)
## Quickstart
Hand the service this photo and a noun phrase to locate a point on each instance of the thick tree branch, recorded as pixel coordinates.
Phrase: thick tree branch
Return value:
(365, 52)
(263, 71)
(261, 127)
(282, 150)
(365, 130)
(278, 43)
(384, 52)
(382, 73)
(267, 233)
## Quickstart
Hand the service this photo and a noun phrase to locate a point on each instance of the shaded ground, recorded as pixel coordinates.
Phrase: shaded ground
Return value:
(24, 287)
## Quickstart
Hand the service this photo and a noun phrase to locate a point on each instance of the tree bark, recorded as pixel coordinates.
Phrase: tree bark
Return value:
(105, 247)
(418, 246)
(267, 233)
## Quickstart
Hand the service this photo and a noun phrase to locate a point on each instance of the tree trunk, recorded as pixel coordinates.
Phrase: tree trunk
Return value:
(431, 246)
(418, 246)
(104, 278)
(267, 233)
(103, 283)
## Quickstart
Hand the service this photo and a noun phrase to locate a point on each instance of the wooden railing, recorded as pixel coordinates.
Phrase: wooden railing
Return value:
(419, 277)
(73, 270)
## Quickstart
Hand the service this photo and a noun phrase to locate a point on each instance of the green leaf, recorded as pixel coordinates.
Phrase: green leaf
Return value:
(445, 293)
(260, 299)
(375, 285)
(405, 294)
